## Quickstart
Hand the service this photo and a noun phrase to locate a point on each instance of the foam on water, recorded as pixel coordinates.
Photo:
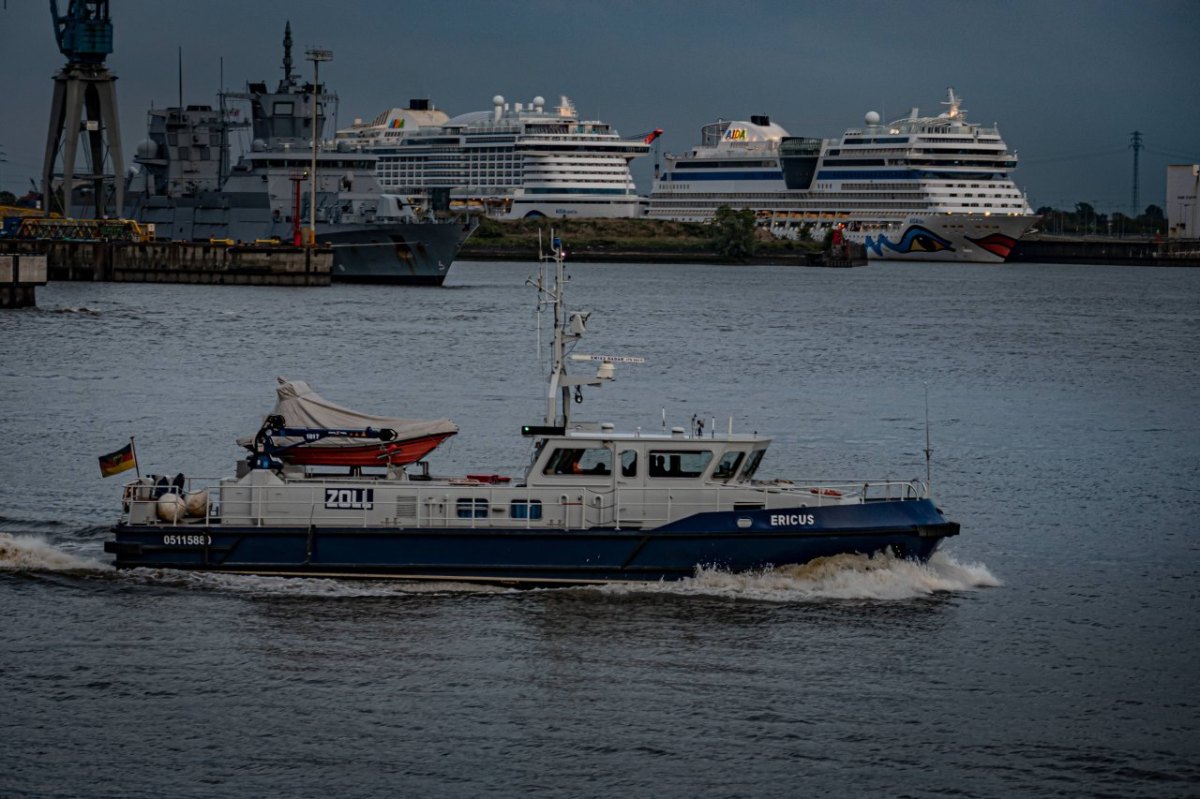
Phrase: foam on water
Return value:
(314, 587)
(882, 577)
(30, 553)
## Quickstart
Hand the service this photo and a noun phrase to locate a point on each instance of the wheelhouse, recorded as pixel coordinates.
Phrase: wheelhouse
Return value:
(639, 460)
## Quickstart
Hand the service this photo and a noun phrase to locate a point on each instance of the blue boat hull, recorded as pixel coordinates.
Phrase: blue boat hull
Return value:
(732, 541)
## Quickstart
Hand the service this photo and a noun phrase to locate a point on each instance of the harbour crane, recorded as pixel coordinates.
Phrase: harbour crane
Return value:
(85, 102)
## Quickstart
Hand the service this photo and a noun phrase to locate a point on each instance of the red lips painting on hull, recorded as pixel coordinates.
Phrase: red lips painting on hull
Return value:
(996, 243)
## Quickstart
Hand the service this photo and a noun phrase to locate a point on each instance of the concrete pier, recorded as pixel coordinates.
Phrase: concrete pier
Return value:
(19, 277)
(179, 262)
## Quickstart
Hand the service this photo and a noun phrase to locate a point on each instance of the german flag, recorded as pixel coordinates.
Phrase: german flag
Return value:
(119, 461)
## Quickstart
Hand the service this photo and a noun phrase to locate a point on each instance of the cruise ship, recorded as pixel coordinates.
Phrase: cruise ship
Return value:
(513, 161)
(918, 188)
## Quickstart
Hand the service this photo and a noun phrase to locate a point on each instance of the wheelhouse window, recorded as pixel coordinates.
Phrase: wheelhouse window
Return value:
(752, 464)
(583, 460)
(525, 509)
(728, 465)
(472, 508)
(679, 463)
(629, 463)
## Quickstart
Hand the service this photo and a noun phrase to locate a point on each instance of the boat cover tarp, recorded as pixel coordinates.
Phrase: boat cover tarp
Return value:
(300, 406)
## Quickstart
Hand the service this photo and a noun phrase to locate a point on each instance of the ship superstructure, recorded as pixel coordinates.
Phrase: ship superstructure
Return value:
(919, 187)
(513, 161)
(187, 188)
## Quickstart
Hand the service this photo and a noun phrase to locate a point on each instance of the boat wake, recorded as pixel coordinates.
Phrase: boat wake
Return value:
(882, 577)
(303, 587)
(31, 553)
(83, 310)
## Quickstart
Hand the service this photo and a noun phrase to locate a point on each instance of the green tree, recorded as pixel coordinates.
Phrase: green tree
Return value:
(733, 233)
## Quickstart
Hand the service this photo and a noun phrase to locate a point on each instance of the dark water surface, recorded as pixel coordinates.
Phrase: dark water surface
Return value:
(1051, 650)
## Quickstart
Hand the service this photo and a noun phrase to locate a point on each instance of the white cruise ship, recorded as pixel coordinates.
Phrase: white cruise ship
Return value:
(920, 188)
(510, 162)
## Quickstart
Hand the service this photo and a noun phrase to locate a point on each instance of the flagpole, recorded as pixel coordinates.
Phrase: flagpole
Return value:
(135, 463)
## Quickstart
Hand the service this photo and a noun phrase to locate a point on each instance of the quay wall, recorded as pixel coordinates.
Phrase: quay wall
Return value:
(180, 262)
(19, 277)
(1120, 252)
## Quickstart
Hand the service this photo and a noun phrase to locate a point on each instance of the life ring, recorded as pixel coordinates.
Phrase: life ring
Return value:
(826, 492)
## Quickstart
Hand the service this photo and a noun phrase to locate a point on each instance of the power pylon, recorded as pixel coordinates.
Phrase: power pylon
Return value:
(1135, 144)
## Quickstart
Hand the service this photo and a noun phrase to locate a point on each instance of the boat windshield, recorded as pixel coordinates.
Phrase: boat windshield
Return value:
(679, 463)
(590, 460)
(752, 464)
(728, 465)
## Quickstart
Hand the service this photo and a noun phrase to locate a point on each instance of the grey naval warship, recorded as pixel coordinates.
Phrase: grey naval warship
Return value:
(184, 185)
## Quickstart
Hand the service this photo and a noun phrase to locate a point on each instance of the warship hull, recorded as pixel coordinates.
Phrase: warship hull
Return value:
(401, 253)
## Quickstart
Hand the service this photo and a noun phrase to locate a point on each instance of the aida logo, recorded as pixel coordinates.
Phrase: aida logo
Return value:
(396, 123)
(735, 134)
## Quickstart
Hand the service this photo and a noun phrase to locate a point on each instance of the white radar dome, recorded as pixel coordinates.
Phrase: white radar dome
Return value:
(147, 149)
(498, 100)
(872, 117)
(539, 100)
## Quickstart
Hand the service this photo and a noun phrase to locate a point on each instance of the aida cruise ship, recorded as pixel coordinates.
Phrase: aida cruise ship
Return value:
(920, 188)
(513, 161)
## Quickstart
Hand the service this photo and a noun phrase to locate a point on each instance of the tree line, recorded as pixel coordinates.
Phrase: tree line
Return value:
(1085, 220)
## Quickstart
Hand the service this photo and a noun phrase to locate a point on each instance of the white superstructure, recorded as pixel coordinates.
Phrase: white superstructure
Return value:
(513, 161)
(919, 187)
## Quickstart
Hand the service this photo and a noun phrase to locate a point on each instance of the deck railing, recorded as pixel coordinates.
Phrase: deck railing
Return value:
(466, 504)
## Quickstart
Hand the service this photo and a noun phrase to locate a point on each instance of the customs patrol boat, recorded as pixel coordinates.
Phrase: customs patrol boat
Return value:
(184, 187)
(594, 505)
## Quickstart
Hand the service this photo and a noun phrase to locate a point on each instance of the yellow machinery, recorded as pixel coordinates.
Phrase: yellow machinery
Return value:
(52, 229)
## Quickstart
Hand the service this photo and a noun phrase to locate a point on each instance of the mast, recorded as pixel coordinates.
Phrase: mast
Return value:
(558, 347)
(287, 53)
(568, 329)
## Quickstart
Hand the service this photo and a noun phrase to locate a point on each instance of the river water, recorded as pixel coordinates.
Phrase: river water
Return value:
(1051, 649)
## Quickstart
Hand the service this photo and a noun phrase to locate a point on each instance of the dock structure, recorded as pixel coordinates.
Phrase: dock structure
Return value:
(1118, 252)
(19, 277)
(227, 263)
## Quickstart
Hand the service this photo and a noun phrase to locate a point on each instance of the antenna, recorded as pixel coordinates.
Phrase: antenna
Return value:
(928, 446)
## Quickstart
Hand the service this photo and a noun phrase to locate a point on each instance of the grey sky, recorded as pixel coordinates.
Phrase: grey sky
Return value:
(1066, 81)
